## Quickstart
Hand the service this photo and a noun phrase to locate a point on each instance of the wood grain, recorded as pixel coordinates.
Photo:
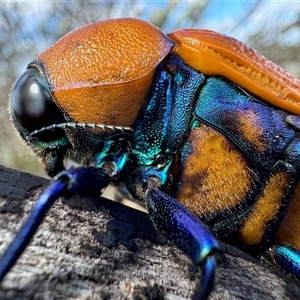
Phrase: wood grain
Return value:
(100, 249)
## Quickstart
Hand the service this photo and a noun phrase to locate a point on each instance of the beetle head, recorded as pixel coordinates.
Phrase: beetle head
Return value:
(97, 74)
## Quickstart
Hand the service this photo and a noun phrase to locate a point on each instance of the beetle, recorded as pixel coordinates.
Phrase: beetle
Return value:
(202, 128)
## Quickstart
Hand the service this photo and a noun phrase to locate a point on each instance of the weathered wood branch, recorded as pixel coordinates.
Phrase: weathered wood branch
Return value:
(100, 249)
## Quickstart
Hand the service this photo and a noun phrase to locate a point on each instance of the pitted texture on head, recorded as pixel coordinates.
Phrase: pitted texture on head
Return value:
(105, 66)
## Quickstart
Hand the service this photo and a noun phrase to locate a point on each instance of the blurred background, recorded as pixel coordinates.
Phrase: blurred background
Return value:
(27, 28)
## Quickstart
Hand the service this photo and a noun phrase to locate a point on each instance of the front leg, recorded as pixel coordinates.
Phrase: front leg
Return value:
(187, 232)
(82, 180)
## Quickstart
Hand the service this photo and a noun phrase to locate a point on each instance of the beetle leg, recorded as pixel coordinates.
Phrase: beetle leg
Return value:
(82, 180)
(187, 232)
(286, 258)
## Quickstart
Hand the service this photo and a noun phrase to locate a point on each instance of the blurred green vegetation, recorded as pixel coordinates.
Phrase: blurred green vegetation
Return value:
(27, 28)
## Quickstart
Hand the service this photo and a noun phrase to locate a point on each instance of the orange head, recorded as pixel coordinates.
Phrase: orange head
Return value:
(94, 81)
(98, 73)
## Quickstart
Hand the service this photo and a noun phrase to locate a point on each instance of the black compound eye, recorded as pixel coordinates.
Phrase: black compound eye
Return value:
(32, 104)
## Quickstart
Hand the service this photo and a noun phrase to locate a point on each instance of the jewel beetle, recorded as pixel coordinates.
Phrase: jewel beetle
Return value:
(196, 124)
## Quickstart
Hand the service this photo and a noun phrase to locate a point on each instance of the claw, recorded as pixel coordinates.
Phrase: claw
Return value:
(207, 282)
(80, 180)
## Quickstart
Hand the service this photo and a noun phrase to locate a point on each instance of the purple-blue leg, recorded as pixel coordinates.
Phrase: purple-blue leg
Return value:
(187, 232)
(84, 181)
(287, 259)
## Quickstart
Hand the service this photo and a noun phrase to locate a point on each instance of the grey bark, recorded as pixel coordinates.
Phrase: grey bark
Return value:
(100, 249)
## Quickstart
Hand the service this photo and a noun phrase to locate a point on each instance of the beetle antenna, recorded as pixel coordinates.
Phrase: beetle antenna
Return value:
(73, 125)
(105, 127)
